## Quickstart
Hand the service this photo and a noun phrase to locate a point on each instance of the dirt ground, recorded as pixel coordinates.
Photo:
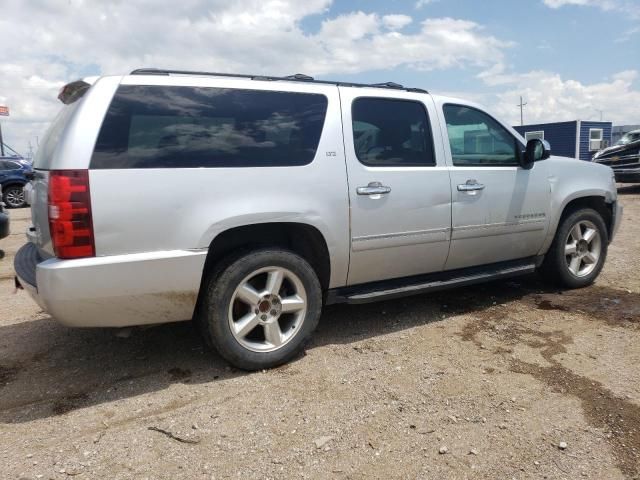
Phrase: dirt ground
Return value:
(496, 376)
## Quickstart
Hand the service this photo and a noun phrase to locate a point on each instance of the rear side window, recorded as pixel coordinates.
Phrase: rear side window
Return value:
(187, 127)
(390, 132)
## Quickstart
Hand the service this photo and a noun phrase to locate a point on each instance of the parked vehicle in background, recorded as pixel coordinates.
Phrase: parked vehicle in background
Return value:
(623, 157)
(292, 193)
(14, 175)
(4, 222)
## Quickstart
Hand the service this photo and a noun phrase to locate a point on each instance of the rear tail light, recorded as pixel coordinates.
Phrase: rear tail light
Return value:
(70, 222)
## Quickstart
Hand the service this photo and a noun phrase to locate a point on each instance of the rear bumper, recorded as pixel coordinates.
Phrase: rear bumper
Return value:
(113, 291)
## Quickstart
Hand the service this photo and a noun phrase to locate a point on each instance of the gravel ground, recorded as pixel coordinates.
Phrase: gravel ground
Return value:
(509, 380)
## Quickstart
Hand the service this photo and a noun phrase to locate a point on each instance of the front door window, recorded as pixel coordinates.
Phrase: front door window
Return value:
(476, 139)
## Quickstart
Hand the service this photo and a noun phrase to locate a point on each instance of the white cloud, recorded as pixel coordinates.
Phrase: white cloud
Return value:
(551, 98)
(396, 22)
(630, 8)
(46, 43)
(562, 3)
(423, 3)
(353, 43)
(628, 35)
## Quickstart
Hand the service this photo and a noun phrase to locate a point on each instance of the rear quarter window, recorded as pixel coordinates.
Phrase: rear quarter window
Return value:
(188, 127)
(44, 156)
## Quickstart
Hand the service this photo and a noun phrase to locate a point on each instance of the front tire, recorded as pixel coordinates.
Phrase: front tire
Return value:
(14, 196)
(578, 251)
(260, 308)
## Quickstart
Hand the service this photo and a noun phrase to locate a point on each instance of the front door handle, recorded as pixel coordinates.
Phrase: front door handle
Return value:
(470, 186)
(374, 188)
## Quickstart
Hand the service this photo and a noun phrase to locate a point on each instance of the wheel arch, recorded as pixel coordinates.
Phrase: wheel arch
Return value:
(302, 238)
(597, 201)
(13, 182)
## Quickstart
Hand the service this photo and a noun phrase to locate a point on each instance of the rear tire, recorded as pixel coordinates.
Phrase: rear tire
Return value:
(259, 308)
(578, 251)
(13, 196)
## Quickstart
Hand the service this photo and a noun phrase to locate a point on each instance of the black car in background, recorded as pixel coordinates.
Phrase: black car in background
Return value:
(623, 157)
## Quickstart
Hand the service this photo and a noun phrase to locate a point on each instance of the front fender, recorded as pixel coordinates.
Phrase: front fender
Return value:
(571, 180)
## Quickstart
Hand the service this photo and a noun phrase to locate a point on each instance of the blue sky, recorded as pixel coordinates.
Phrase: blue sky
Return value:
(569, 59)
(580, 42)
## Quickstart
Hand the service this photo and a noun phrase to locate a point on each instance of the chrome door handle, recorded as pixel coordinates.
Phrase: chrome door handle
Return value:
(374, 188)
(470, 186)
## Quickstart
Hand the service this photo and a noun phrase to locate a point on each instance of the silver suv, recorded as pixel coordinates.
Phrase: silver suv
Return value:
(246, 203)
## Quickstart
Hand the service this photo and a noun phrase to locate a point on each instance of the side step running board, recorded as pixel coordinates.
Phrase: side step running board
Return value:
(428, 283)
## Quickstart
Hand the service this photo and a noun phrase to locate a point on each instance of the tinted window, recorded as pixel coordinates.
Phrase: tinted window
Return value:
(8, 165)
(159, 127)
(477, 139)
(388, 132)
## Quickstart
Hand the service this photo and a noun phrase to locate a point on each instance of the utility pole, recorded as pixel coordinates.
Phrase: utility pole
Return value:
(4, 111)
(521, 105)
(601, 113)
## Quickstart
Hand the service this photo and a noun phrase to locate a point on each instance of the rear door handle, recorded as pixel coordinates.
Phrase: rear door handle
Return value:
(470, 186)
(374, 188)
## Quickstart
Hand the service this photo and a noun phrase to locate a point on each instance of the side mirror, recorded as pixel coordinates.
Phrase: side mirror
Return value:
(535, 151)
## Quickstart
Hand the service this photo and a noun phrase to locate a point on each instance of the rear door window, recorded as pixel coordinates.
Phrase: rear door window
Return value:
(391, 133)
(188, 127)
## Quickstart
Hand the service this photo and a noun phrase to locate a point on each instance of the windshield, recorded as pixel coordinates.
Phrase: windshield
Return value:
(628, 138)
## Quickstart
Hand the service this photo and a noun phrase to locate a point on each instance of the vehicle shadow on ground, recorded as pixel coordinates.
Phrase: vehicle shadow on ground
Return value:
(47, 369)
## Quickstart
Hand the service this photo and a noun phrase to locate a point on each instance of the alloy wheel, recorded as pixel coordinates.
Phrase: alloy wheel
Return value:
(267, 309)
(14, 197)
(583, 248)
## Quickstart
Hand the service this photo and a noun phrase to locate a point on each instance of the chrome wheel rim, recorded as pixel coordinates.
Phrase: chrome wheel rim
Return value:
(14, 197)
(267, 309)
(582, 248)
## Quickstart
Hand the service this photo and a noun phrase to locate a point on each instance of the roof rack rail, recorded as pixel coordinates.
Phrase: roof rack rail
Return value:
(388, 85)
(298, 77)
